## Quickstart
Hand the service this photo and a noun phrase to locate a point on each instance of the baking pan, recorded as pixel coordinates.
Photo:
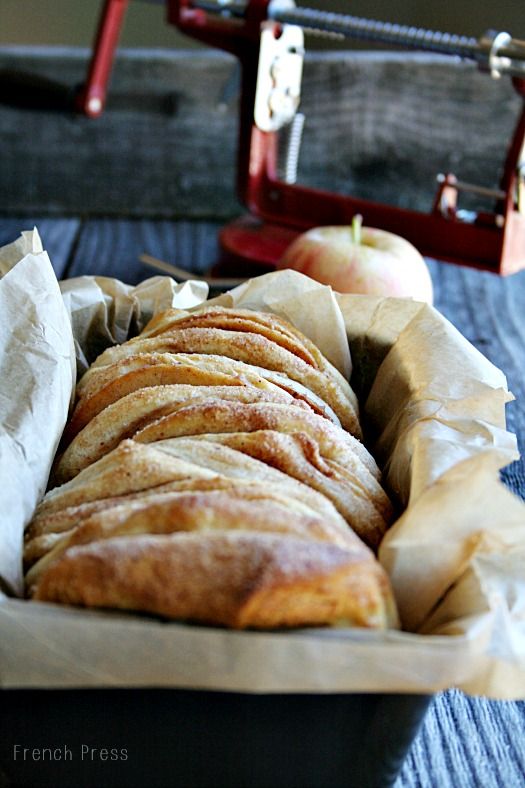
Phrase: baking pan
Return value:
(188, 738)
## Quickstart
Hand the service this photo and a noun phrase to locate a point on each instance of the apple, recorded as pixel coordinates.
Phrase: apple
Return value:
(357, 259)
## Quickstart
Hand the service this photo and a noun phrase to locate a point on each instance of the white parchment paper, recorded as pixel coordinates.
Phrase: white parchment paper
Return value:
(37, 373)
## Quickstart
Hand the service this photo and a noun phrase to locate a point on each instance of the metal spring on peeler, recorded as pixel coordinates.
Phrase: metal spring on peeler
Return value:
(293, 148)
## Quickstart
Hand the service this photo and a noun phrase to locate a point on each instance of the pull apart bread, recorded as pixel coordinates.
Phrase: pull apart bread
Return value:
(212, 471)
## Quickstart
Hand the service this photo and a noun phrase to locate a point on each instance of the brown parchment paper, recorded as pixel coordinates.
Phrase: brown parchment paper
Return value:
(434, 409)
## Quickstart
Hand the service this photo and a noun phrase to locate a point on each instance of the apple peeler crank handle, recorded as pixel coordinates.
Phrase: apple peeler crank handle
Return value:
(495, 52)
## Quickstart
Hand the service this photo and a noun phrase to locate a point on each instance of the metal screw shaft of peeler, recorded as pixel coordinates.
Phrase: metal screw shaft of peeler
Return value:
(495, 52)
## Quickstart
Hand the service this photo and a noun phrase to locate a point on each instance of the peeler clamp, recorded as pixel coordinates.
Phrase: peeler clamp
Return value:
(270, 91)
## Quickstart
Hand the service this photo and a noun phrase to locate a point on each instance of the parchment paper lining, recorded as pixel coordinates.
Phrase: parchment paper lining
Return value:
(434, 408)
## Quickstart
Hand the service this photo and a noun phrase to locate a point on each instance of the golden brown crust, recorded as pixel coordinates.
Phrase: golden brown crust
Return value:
(355, 493)
(153, 374)
(229, 319)
(236, 465)
(101, 386)
(214, 417)
(236, 505)
(128, 415)
(38, 546)
(131, 467)
(266, 324)
(142, 470)
(252, 348)
(233, 579)
(46, 530)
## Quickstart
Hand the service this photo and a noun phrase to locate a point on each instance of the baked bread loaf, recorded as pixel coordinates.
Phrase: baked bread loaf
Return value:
(135, 469)
(345, 481)
(212, 471)
(231, 578)
(101, 386)
(252, 348)
(115, 479)
(132, 413)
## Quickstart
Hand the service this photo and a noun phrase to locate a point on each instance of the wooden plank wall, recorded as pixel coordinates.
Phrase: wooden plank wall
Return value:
(379, 126)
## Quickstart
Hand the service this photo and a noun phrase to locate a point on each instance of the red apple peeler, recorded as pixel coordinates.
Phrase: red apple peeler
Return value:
(267, 38)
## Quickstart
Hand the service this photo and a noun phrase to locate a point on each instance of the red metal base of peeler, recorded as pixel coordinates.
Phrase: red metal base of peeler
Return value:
(248, 241)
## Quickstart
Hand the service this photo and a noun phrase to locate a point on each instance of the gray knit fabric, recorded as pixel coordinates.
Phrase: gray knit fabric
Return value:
(468, 742)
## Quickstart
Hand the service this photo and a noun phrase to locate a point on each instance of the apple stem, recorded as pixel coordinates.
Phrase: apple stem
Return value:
(357, 223)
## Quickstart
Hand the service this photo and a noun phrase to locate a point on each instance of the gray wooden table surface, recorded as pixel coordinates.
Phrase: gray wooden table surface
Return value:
(463, 741)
